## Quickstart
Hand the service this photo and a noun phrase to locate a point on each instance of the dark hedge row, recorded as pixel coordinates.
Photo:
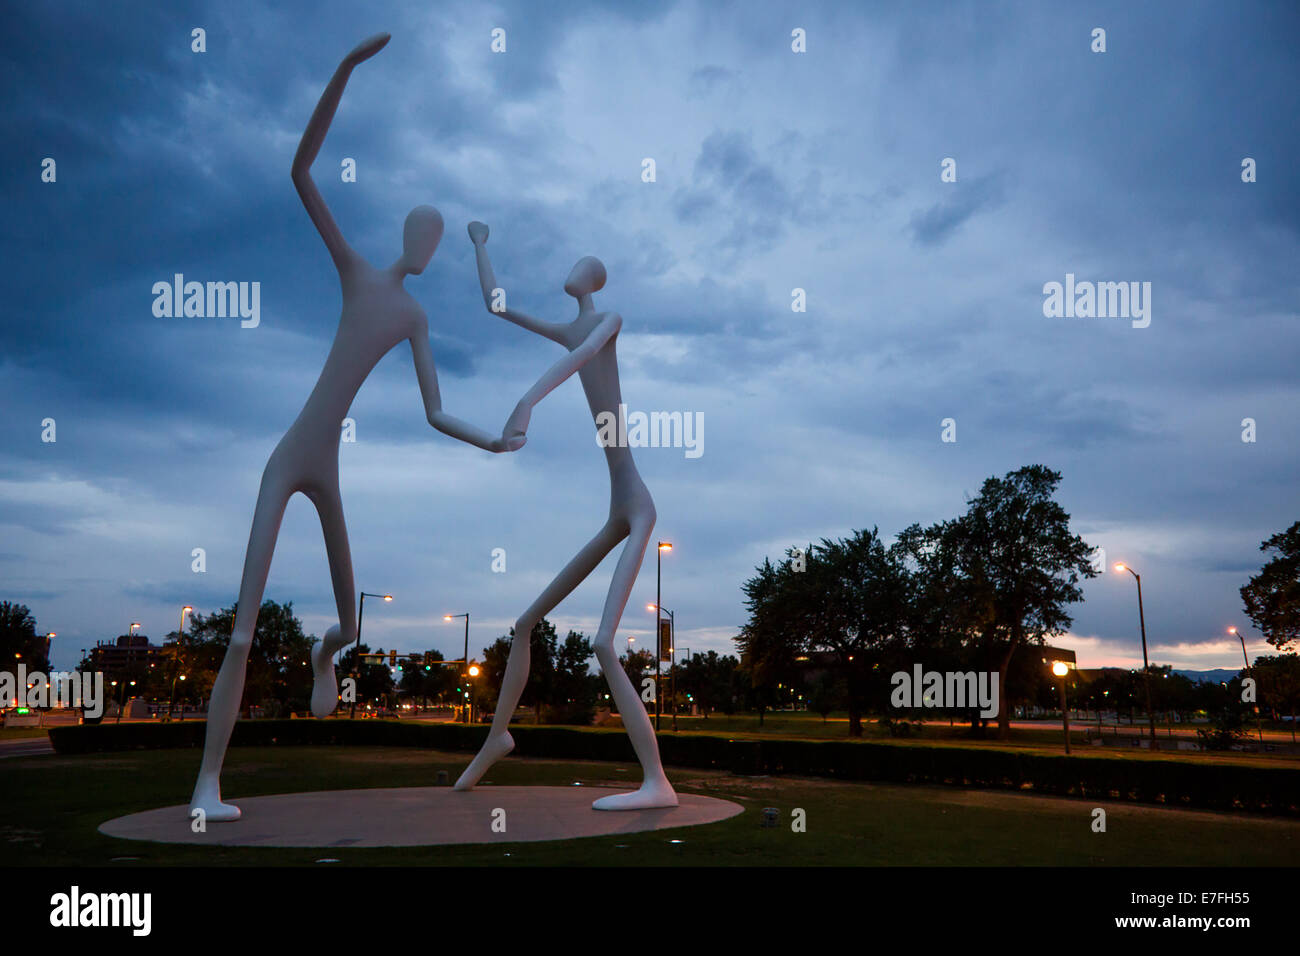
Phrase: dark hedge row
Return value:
(1175, 783)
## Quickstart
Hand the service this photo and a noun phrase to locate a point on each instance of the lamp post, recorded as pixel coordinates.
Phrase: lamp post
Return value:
(672, 649)
(465, 657)
(1146, 665)
(659, 577)
(356, 653)
(176, 663)
(687, 655)
(1061, 669)
(471, 673)
(1259, 729)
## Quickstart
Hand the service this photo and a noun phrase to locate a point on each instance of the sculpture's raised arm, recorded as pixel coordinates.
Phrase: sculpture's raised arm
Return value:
(478, 233)
(314, 136)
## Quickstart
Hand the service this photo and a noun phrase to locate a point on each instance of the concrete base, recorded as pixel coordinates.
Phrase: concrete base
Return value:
(418, 816)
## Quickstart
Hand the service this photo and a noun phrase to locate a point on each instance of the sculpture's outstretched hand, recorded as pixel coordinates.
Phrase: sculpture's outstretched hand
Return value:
(366, 49)
(478, 232)
(516, 426)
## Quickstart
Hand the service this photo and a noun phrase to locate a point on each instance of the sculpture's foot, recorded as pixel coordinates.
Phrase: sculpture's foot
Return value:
(653, 794)
(207, 797)
(325, 688)
(493, 749)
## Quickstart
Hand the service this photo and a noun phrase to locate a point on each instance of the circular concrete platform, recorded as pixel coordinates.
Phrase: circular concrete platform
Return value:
(418, 816)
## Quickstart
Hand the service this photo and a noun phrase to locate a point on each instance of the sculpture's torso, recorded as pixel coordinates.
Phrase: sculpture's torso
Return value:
(600, 383)
(378, 314)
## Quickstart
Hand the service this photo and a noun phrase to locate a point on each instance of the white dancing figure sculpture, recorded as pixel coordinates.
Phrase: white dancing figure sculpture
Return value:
(378, 315)
(590, 340)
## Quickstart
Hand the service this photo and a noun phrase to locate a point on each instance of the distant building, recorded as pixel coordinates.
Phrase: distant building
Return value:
(129, 654)
(1051, 654)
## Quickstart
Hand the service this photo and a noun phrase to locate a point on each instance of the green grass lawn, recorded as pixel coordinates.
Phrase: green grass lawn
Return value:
(1045, 740)
(50, 807)
(20, 733)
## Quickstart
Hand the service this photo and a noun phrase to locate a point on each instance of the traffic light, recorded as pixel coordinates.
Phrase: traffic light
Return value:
(392, 658)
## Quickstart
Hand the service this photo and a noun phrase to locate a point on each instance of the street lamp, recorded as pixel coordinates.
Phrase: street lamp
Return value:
(1061, 669)
(659, 575)
(356, 653)
(176, 663)
(131, 630)
(1259, 729)
(1146, 665)
(672, 649)
(472, 671)
(465, 658)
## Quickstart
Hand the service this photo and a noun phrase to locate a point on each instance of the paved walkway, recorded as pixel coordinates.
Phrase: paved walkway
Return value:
(418, 816)
(25, 747)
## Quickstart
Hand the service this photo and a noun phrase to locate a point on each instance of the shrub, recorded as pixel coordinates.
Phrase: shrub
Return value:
(1218, 787)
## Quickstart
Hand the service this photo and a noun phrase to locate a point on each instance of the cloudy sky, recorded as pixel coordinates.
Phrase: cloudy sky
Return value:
(774, 170)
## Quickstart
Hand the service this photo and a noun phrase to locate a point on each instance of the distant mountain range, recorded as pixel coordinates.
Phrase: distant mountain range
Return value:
(1215, 676)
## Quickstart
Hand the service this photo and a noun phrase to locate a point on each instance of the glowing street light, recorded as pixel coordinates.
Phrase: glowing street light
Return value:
(1259, 729)
(659, 575)
(672, 650)
(465, 658)
(176, 666)
(472, 672)
(356, 654)
(1061, 669)
(1146, 664)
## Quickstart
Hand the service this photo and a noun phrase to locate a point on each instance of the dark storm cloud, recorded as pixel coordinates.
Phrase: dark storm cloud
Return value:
(937, 223)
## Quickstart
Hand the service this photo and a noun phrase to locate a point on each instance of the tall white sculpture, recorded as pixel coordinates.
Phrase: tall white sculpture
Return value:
(378, 315)
(590, 340)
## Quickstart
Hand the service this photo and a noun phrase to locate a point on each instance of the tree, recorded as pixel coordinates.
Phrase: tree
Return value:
(374, 681)
(18, 641)
(638, 665)
(1272, 598)
(431, 679)
(707, 680)
(1279, 685)
(574, 688)
(826, 694)
(773, 637)
(541, 667)
(1021, 567)
(851, 602)
(279, 674)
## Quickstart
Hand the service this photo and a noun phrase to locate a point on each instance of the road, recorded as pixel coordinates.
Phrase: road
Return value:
(25, 747)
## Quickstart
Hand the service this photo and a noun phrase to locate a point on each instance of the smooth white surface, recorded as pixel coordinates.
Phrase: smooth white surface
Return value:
(378, 315)
(590, 340)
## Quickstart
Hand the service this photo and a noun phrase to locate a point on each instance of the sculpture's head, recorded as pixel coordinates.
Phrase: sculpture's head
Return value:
(420, 238)
(586, 276)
